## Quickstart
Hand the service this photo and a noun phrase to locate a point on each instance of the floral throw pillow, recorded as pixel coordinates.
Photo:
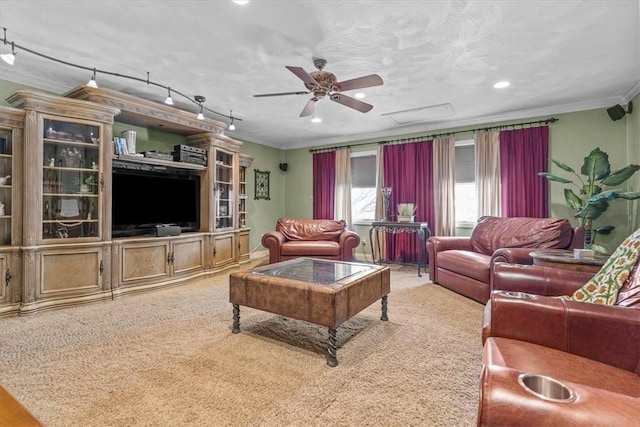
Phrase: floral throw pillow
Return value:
(604, 286)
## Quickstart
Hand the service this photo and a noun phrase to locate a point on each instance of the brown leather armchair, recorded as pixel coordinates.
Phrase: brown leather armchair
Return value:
(592, 350)
(316, 238)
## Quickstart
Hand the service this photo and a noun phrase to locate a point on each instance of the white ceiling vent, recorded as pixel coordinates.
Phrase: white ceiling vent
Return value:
(421, 114)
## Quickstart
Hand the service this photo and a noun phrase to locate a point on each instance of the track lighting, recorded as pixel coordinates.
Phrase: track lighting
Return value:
(231, 125)
(9, 58)
(92, 82)
(169, 101)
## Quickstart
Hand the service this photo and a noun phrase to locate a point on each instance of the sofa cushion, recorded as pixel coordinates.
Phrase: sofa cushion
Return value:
(311, 248)
(465, 263)
(492, 233)
(301, 229)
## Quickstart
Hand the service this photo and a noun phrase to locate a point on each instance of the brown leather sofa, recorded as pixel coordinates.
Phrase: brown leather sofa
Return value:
(464, 264)
(317, 238)
(591, 349)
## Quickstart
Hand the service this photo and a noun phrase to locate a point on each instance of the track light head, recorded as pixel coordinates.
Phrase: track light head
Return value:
(92, 82)
(9, 58)
(169, 100)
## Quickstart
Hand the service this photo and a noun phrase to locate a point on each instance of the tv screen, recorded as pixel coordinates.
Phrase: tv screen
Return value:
(143, 199)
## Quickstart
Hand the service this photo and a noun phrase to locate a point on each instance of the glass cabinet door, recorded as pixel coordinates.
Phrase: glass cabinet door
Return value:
(223, 189)
(70, 180)
(6, 170)
(242, 197)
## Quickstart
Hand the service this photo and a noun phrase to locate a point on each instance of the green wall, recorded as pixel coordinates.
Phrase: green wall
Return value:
(572, 137)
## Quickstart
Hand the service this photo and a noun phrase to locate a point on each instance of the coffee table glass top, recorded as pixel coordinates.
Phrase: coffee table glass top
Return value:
(312, 270)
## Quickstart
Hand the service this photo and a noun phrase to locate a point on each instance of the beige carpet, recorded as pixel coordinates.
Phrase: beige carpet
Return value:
(168, 358)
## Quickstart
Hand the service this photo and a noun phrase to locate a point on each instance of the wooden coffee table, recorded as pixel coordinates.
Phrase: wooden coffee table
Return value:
(323, 292)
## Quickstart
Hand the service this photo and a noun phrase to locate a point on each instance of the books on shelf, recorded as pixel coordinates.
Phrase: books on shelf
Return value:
(120, 145)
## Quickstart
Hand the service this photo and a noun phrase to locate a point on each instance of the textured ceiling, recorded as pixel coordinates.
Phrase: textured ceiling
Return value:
(438, 59)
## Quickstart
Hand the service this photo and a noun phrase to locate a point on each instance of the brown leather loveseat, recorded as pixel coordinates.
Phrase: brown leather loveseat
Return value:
(464, 264)
(316, 238)
(591, 349)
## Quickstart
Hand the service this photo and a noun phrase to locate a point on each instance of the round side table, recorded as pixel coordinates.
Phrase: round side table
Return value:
(566, 261)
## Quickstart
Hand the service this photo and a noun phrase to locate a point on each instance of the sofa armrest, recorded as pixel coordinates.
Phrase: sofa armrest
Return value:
(536, 279)
(273, 240)
(437, 244)
(348, 241)
(606, 333)
(512, 255)
(503, 402)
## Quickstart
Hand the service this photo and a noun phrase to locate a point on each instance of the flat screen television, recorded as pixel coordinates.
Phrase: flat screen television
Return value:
(142, 199)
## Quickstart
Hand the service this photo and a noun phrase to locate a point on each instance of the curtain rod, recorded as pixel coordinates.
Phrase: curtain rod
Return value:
(435, 135)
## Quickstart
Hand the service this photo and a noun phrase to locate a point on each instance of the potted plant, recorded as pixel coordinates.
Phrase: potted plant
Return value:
(406, 212)
(85, 186)
(592, 199)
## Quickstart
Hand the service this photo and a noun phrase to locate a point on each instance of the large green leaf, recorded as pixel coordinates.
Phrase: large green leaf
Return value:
(593, 210)
(604, 230)
(620, 176)
(555, 178)
(596, 165)
(573, 201)
(563, 166)
(610, 195)
(600, 250)
(590, 190)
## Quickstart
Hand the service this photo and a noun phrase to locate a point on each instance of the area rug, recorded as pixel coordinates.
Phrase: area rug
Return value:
(168, 357)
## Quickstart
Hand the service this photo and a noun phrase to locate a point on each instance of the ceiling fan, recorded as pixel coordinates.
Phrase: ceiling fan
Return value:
(323, 83)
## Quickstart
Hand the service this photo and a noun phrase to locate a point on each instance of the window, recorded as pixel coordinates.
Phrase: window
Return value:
(466, 205)
(363, 187)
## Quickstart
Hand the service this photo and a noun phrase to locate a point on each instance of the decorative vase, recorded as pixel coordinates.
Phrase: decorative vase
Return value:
(70, 162)
(406, 218)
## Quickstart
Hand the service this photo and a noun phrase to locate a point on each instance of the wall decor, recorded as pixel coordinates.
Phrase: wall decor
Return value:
(262, 184)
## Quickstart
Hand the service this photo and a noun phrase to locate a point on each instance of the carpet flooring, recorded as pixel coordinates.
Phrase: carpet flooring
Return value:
(168, 358)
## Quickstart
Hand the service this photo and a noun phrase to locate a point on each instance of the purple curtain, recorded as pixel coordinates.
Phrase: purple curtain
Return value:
(407, 170)
(324, 184)
(524, 153)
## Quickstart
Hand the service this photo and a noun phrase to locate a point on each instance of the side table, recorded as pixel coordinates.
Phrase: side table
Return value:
(566, 261)
(421, 230)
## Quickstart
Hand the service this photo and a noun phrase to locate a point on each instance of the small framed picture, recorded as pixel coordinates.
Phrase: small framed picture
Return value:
(262, 185)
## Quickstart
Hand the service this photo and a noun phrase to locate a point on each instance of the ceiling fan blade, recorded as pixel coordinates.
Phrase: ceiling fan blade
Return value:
(308, 109)
(351, 102)
(360, 82)
(302, 75)
(280, 94)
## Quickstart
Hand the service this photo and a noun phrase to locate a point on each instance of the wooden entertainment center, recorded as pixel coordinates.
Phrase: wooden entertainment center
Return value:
(56, 242)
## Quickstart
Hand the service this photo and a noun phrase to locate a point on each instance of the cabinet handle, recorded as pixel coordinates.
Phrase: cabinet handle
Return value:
(7, 277)
(173, 258)
(101, 267)
(169, 258)
(101, 182)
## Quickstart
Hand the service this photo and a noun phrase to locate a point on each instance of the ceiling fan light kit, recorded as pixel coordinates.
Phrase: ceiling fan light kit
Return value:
(323, 84)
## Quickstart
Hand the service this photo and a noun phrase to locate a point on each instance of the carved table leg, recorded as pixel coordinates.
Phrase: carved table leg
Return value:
(236, 319)
(332, 358)
(384, 309)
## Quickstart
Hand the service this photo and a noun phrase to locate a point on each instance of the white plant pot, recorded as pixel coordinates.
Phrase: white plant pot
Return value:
(405, 218)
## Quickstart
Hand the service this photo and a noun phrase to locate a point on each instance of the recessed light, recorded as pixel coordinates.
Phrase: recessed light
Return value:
(501, 85)
(359, 95)
(241, 1)
(316, 120)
